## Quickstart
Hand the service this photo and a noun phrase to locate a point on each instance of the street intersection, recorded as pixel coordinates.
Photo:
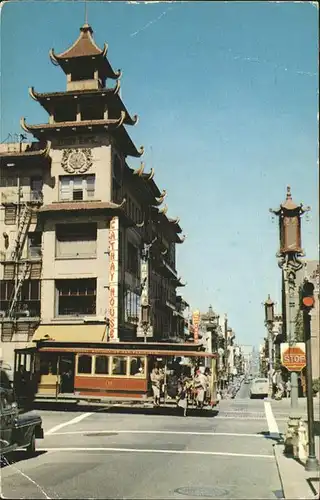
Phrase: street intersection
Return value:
(118, 453)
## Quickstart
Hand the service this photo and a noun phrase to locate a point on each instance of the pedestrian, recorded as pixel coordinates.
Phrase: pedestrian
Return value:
(182, 400)
(156, 379)
(288, 388)
(200, 383)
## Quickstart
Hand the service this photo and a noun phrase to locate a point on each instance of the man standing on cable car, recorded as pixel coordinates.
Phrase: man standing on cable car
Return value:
(156, 379)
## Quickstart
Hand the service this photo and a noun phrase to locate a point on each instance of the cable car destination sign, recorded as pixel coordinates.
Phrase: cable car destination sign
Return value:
(293, 358)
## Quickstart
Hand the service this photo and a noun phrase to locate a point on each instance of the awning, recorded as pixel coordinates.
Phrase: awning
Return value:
(70, 333)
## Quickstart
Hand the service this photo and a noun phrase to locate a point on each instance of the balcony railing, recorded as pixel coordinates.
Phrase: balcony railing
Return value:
(12, 196)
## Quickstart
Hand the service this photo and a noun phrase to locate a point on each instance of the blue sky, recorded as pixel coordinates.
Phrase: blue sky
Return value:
(227, 96)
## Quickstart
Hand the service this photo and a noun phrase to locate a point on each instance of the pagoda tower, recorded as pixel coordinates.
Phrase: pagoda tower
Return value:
(87, 106)
(85, 186)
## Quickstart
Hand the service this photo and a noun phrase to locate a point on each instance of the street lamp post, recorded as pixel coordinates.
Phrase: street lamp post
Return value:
(289, 214)
(269, 318)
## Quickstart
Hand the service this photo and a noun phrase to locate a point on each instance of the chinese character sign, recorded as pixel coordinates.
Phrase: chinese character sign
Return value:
(113, 279)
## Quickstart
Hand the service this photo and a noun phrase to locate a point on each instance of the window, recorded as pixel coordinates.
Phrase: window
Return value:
(132, 259)
(34, 247)
(8, 180)
(91, 112)
(84, 364)
(102, 365)
(137, 367)
(79, 74)
(76, 240)
(48, 364)
(116, 192)
(76, 187)
(30, 290)
(10, 214)
(76, 297)
(119, 365)
(132, 307)
(36, 185)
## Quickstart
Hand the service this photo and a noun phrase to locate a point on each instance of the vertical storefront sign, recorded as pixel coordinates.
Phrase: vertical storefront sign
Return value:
(195, 324)
(113, 279)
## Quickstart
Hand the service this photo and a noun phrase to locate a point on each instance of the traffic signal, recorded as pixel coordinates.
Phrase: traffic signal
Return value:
(306, 295)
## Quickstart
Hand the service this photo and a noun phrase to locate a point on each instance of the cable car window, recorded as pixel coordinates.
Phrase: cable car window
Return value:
(137, 367)
(84, 364)
(119, 365)
(102, 365)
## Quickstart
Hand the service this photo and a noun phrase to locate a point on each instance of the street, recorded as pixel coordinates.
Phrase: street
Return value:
(128, 454)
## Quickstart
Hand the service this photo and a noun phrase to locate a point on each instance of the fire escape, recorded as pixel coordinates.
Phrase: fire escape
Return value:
(20, 271)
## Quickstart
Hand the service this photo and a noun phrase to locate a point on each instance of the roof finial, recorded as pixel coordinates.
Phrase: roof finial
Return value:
(289, 197)
(85, 12)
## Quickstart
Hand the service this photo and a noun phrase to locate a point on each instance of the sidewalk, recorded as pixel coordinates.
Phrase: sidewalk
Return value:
(297, 483)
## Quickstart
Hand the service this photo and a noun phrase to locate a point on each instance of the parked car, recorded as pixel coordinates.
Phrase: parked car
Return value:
(17, 431)
(259, 387)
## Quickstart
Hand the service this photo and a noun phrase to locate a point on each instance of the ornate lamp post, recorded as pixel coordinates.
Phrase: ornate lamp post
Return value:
(269, 319)
(289, 214)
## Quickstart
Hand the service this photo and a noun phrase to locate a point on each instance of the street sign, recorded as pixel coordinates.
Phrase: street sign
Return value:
(293, 357)
(145, 332)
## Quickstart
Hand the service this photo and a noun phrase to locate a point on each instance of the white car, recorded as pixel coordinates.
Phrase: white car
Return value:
(259, 387)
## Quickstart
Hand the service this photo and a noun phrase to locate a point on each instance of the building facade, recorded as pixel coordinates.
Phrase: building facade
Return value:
(88, 251)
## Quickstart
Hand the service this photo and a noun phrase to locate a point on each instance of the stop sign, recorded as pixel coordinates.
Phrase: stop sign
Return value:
(294, 359)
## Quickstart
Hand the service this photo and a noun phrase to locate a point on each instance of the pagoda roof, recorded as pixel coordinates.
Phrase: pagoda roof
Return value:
(93, 207)
(172, 224)
(111, 122)
(103, 93)
(85, 47)
(289, 205)
(113, 126)
(145, 185)
(148, 179)
(81, 205)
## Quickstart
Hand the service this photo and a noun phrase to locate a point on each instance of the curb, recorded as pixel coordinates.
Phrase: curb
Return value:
(295, 481)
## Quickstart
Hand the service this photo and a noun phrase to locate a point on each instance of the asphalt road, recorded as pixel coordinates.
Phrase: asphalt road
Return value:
(122, 454)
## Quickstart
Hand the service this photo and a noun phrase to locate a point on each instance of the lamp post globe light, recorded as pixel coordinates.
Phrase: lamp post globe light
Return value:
(269, 319)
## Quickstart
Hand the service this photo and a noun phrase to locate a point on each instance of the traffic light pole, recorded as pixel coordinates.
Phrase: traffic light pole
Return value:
(312, 463)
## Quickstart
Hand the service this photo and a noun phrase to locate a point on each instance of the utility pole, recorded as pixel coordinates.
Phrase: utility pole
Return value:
(269, 318)
(307, 303)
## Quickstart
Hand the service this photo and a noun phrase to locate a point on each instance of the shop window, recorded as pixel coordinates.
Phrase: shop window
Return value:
(102, 365)
(119, 365)
(84, 364)
(137, 367)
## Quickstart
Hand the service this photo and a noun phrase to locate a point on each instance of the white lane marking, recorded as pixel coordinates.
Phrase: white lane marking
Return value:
(181, 452)
(249, 418)
(272, 424)
(183, 433)
(69, 422)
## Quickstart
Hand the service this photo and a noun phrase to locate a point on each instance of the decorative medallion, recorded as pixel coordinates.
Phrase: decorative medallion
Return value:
(76, 160)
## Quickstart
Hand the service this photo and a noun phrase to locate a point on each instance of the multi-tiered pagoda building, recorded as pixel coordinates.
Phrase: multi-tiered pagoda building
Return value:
(83, 234)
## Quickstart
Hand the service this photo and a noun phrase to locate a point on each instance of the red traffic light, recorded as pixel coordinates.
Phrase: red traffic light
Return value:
(307, 297)
(308, 301)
